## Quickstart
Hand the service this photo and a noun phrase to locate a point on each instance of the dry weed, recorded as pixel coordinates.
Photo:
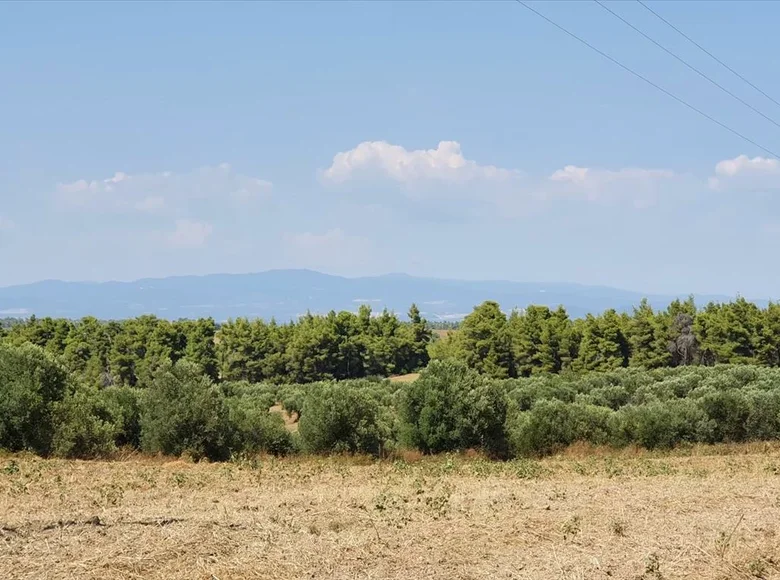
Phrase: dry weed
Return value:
(624, 515)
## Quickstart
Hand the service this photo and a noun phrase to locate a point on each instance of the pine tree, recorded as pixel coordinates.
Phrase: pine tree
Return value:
(647, 338)
(559, 343)
(485, 343)
(527, 331)
(604, 345)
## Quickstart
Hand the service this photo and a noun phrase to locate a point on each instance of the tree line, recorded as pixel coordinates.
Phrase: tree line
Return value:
(129, 352)
(449, 408)
(539, 340)
(346, 345)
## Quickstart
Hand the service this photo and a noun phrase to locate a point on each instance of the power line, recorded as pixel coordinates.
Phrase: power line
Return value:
(705, 51)
(686, 63)
(648, 81)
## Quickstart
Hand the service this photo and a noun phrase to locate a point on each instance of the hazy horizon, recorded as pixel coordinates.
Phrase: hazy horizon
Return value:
(382, 275)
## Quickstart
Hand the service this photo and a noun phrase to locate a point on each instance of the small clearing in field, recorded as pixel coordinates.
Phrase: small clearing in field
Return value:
(290, 420)
(620, 515)
(405, 378)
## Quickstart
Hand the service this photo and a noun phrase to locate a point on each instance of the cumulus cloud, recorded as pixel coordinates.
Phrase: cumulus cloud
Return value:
(148, 192)
(445, 175)
(189, 234)
(744, 164)
(745, 173)
(380, 158)
(636, 185)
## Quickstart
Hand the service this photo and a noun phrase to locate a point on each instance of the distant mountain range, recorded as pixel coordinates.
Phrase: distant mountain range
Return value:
(287, 294)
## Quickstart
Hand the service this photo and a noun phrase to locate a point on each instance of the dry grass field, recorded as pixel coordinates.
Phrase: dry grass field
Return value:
(706, 513)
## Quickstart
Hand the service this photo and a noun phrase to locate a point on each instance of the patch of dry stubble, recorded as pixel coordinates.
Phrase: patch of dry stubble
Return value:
(580, 515)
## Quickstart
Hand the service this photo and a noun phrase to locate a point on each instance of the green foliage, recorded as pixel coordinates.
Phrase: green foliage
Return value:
(444, 347)
(661, 424)
(648, 337)
(85, 427)
(604, 344)
(31, 383)
(729, 333)
(529, 384)
(183, 411)
(451, 407)
(124, 406)
(200, 348)
(535, 340)
(255, 429)
(551, 425)
(485, 341)
(342, 417)
(413, 344)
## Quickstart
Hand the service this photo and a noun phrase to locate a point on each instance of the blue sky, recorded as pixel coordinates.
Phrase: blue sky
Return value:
(449, 139)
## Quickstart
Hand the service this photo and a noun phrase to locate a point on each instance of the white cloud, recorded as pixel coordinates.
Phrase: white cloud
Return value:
(444, 175)
(379, 158)
(571, 173)
(155, 191)
(189, 234)
(744, 164)
(745, 173)
(636, 185)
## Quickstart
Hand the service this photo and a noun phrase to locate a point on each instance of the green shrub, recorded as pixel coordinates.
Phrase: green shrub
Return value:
(182, 411)
(661, 424)
(84, 426)
(124, 406)
(728, 410)
(31, 382)
(525, 392)
(763, 421)
(610, 396)
(237, 389)
(340, 417)
(452, 407)
(257, 430)
(292, 398)
(552, 425)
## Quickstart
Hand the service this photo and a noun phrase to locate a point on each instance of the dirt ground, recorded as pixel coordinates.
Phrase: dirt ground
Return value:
(703, 514)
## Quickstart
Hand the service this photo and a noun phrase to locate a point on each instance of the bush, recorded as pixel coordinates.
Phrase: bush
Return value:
(552, 425)
(124, 406)
(256, 430)
(182, 411)
(728, 411)
(611, 396)
(661, 424)
(340, 417)
(763, 422)
(238, 389)
(31, 382)
(451, 407)
(292, 398)
(84, 426)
